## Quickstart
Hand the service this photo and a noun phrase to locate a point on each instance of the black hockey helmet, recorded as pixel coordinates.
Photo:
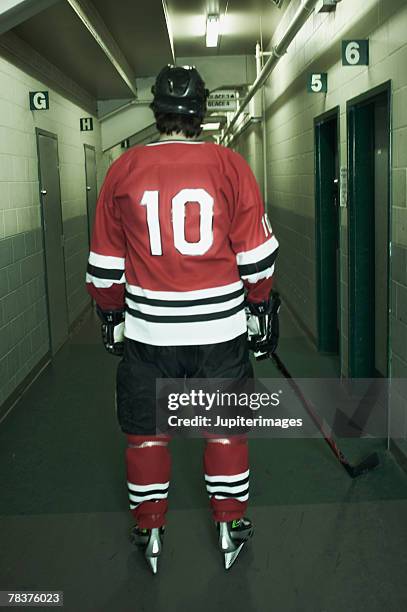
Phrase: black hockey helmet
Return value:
(179, 90)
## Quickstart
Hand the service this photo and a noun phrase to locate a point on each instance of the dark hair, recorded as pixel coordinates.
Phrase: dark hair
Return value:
(170, 122)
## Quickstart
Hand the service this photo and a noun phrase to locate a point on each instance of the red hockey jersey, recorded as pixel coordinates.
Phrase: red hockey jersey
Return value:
(180, 228)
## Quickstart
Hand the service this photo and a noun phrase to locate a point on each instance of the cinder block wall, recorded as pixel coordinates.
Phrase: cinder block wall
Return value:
(24, 337)
(290, 112)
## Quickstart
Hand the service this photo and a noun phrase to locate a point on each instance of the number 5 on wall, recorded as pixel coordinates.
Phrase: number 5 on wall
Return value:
(317, 82)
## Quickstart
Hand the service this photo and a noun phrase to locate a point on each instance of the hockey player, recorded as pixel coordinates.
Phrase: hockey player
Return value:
(180, 236)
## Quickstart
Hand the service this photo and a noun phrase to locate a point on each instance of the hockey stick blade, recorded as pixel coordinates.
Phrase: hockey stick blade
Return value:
(364, 466)
(354, 471)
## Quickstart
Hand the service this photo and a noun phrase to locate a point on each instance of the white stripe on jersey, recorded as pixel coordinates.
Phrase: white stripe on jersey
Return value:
(196, 294)
(108, 262)
(185, 310)
(161, 142)
(253, 278)
(258, 253)
(104, 271)
(184, 334)
(103, 283)
(222, 318)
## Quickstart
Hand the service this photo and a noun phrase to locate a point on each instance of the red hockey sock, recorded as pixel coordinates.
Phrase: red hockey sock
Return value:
(226, 465)
(148, 464)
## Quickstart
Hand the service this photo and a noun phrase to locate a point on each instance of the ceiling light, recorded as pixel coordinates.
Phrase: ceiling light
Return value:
(212, 30)
(210, 126)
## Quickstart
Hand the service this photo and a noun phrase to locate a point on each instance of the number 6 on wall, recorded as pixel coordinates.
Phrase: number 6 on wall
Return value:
(150, 200)
(355, 52)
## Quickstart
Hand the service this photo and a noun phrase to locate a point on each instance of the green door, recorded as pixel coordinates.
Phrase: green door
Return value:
(361, 235)
(50, 194)
(327, 233)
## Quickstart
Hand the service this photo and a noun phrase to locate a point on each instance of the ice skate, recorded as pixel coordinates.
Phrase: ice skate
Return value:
(232, 537)
(151, 541)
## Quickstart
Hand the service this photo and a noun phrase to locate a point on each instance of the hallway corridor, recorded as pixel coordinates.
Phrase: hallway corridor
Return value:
(323, 542)
(212, 184)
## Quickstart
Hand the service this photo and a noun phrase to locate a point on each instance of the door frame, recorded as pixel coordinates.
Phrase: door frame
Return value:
(361, 100)
(328, 116)
(41, 132)
(93, 148)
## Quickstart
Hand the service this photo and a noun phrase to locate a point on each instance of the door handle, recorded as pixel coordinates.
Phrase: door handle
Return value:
(336, 192)
(43, 192)
(88, 188)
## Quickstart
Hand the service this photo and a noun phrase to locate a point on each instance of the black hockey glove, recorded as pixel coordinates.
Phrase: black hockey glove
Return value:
(262, 326)
(112, 330)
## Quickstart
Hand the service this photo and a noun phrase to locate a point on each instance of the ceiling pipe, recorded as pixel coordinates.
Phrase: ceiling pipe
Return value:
(119, 109)
(93, 21)
(303, 12)
(242, 128)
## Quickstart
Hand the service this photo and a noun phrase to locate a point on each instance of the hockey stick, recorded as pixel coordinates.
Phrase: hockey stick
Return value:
(353, 470)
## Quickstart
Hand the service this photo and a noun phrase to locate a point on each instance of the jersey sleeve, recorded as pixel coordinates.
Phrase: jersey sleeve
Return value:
(105, 277)
(251, 235)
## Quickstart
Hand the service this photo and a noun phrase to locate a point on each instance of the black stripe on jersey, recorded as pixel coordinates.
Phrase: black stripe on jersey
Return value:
(196, 318)
(216, 299)
(235, 483)
(228, 494)
(258, 266)
(106, 273)
(149, 492)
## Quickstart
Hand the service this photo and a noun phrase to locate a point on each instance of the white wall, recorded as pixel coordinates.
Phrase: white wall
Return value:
(23, 314)
(290, 146)
(290, 151)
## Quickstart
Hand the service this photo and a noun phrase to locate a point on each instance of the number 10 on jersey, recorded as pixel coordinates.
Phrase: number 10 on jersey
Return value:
(151, 200)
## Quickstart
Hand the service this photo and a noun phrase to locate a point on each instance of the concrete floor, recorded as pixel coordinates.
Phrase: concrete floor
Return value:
(323, 542)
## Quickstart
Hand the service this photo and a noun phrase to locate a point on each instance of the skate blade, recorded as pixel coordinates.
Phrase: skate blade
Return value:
(153, 563)
(230, 557)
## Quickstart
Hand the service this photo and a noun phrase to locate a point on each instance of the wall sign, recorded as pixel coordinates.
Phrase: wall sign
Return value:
(223, 99)
(86, 124)
(355, 52)
(317, 82)
(39, 100)
(343, 187)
